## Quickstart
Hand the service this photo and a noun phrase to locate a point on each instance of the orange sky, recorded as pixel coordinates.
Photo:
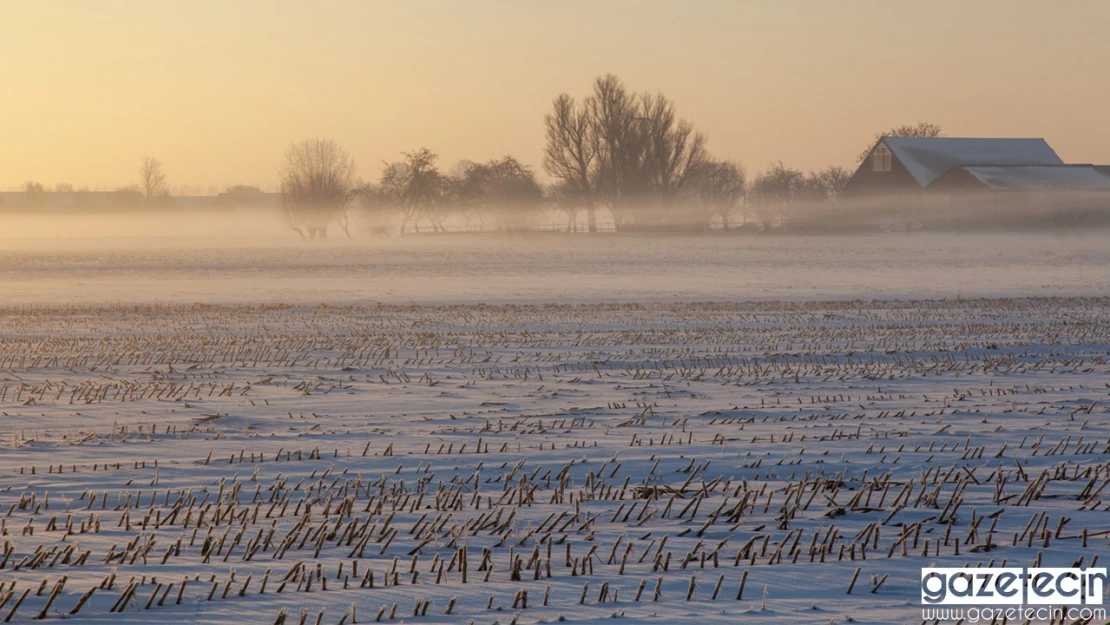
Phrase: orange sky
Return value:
(218, 88)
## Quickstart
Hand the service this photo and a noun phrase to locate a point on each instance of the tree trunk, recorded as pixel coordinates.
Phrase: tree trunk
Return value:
(591, 216)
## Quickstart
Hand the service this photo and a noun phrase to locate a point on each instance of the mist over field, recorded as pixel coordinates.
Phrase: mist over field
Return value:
(204, 258)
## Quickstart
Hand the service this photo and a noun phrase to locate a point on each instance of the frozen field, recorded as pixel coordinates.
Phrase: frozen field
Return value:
(652, 462)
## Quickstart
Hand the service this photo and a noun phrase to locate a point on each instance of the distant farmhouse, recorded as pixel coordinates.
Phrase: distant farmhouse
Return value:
(900, 166)
(984, 184)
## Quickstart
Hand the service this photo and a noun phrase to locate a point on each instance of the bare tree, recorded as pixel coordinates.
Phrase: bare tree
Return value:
(566, 200)
(772, 192)
(416, 188)
(920, 129)
(571, 157)
(646, 155)
(673, 151)
(129, 196)
(376, 207)
(317, 179)
(243, 188)
(34, 195)
(505, 190)
(832, 180)
(614, 116)
(629, 152)
(152, 180)
(718, 189)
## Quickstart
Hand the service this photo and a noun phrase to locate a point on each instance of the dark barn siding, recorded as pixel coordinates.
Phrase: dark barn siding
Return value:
(868, 183)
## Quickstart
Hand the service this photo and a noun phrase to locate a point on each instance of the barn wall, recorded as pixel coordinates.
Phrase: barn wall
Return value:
(867, 183)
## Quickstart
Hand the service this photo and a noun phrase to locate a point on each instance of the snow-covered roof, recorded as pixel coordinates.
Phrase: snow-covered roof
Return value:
(1041, 177)
(927, 158)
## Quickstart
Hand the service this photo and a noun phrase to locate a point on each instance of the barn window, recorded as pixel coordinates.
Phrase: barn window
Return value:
(880, 158)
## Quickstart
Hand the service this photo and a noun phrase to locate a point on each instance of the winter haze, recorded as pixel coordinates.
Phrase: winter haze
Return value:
(510, 313)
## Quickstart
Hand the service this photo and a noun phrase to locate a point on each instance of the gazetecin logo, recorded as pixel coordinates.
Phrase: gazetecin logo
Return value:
(1034, 593)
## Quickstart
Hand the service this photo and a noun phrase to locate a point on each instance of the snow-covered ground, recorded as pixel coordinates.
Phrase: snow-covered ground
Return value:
(643, 461)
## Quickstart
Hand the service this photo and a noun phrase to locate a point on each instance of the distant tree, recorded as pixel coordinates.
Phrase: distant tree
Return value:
(376, 208)
(646, 154)
(674, 152)
(571, 157)
(63, 187)
(832, 180)
(822, 186)
(317, 180)
(503, 189)
(717, 190)
(565, 199)
(811, 189)
(129, 196)
(34, 195)
(772, 192)
(630, 152)
(243, 188)
(162, 200)
(152, 180)
(617, 126)
(920, 129)
(415, 188)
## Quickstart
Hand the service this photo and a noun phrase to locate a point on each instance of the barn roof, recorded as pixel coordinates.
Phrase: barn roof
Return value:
(927, 158)
(1026, 177)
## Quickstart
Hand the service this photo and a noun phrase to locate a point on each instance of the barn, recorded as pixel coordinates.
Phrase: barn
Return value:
(973, 183)
(899, 166)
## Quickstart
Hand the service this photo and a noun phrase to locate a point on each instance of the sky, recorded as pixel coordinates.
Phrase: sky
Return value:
(218, 89)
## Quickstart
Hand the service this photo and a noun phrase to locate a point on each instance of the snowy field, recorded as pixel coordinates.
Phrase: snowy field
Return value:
(659, 462)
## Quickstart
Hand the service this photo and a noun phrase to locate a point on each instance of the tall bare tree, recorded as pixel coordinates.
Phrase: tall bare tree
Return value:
(317, 180)
(570, 156)
(647, 154)
(615, 117)
(152, 180)
(673, 153)
(629, 152)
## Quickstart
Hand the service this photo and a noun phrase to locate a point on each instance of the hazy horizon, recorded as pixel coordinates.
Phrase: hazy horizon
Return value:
(217, 91)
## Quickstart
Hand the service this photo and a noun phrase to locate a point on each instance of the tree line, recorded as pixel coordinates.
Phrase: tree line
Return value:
(151, 190)
(626, 154)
